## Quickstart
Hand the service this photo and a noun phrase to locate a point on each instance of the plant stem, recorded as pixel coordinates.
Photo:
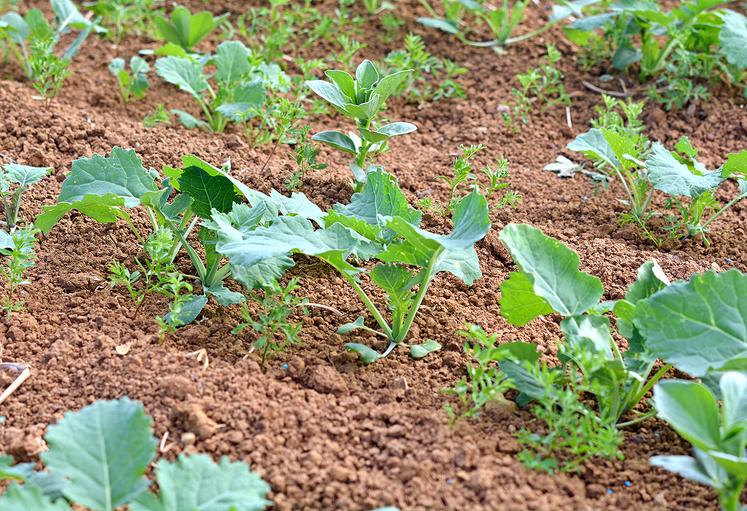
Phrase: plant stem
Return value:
(638, 419)
(369, 305)
(402, 333)
(722, 210)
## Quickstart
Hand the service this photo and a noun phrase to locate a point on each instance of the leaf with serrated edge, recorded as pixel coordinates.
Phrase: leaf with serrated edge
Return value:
(699, 324)
(196, 483)
(103, 450)
(553, 269)
(122, 173)
(29, 498)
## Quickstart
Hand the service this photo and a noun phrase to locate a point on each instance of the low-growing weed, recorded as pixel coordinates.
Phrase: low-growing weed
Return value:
(18, 251)
(33, 42)
(431, 78)
(271, 322)
(306, 158)
(541, 86)
(82, 468)
(124, 18)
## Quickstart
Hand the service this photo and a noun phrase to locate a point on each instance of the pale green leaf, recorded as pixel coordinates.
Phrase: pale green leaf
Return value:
(196, 483)
(519, 303)
(733, 38)
(122, 174)
(691, 409)
(29, 498)
(699, 324)
(670, 176)
(103, 450)
(183, 72)
(553, 269)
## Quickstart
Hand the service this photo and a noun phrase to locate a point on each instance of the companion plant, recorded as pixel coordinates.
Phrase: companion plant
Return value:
(83, 469)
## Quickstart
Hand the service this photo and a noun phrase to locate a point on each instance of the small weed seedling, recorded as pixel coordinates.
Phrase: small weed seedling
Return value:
(159, 116)
(82, 469)
(466, 178)
(33, 42)
(542, 86)
(16, 244)
(717, 433)
(133, 84)
(379, 225)
(431, 78)
(271, 322)
(361, 98)
(306, 155)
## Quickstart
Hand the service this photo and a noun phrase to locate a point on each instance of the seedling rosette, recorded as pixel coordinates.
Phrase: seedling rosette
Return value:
(379, 227)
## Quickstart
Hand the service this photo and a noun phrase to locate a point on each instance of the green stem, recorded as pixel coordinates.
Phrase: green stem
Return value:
(651, 382)
(722, 210)
(369, 305)
(429, 272)
(638, 419)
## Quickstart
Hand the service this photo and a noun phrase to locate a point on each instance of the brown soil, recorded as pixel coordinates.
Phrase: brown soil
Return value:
(323, 431)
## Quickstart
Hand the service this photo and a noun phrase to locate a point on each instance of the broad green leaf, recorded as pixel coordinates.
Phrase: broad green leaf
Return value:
(186, 29)
(189, 121)
(208, 192)
(440, 24)
(686, 466)
(674, 178)
(352, 326)
(397, 282)
(190, 308)
(25, 176)
(231, 62)
(366, 75)
(344, 83)
(594, 145)
(589, 333)
(733, 38)
(699, 324)
(623, 146)
(122, 174)
(418, 351)
(567, 9)
(29, 498)
(196, 483)
(397, 128)
(366, 354)
(67, 13)
(381, 197)
(223, 295)
(389, 84)
(103, 450)
(329, 92)
(553, 269)
(373, 136)
(736, 466)
(262, 274)
(519, 303)
(101, 208)
(651, 279)
(733, 386)
(246, 102)
(336, 139)
(691, 409)
(736, 164)
(18, 30)
(183, 72)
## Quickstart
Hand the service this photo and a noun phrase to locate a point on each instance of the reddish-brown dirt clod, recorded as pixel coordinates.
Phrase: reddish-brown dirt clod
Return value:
(324, 432)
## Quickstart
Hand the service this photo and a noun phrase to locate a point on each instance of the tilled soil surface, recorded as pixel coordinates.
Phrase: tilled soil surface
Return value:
(323, 431)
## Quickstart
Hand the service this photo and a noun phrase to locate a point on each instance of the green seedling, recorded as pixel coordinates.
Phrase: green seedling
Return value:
(379, 226)
(184, 30)
(133, 84)
(361, 98)
(82, 469)
(33, 42)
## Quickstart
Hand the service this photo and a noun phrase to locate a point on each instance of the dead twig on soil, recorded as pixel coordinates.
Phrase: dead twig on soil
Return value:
(200, 355)
(613, 93)
(25, 373)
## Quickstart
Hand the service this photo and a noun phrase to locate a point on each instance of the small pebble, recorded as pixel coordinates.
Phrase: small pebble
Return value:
(284, 366)
(610, 491)
(628, 484)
